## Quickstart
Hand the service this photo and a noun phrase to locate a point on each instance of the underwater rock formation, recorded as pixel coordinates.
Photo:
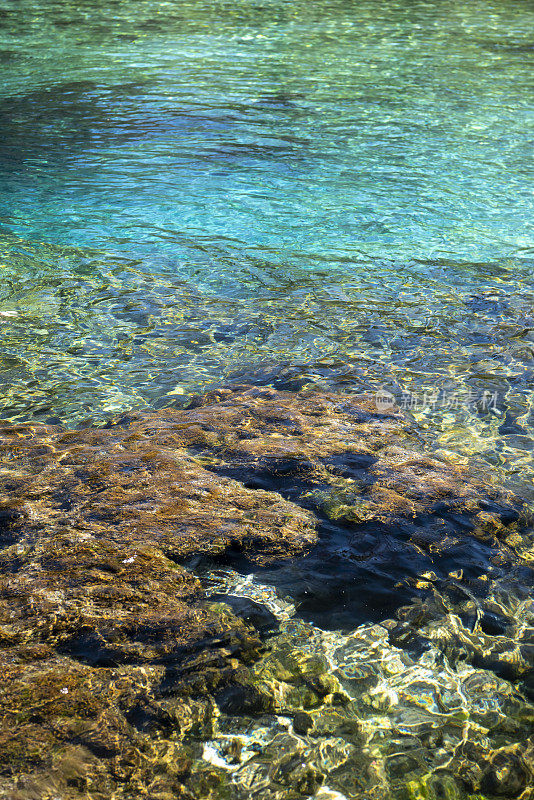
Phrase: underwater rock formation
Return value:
(116, 665)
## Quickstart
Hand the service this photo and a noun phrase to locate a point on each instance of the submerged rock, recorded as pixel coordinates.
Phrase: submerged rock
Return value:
(115, 664)
(392, 727)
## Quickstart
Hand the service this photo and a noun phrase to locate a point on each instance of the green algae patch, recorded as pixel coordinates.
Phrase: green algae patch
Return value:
(433, 788)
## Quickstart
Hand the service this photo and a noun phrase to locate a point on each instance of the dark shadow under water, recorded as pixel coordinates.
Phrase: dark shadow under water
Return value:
(364, 573)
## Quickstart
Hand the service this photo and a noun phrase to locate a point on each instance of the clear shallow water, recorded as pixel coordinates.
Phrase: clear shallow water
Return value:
(286, 192)
(424, 721)
(189, 188)
(196, 193)
(193, 189)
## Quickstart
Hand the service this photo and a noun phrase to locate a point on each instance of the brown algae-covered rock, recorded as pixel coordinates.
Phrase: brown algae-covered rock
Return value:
(110, 654)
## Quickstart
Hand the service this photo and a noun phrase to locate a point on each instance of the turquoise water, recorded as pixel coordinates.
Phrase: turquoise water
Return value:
(199, 192)
(310, 135)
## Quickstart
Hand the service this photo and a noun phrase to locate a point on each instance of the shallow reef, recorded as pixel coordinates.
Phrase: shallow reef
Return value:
(137, 663)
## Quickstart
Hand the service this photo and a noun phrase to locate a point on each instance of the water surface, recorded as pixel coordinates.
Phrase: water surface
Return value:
(289, 193)
(191, 188)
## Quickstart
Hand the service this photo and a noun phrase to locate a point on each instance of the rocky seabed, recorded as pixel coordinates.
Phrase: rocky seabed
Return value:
(267, 594)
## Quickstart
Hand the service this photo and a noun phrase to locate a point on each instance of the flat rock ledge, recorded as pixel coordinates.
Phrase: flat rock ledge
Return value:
(112, 657)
